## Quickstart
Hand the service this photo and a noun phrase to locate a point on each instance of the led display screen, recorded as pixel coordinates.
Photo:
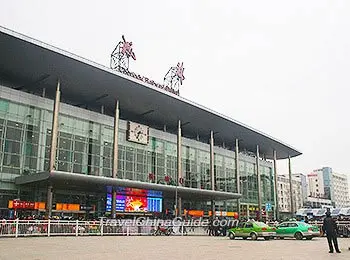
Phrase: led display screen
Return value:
(135, 200)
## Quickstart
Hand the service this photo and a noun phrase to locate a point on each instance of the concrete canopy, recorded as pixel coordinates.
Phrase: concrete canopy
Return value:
(97, 183)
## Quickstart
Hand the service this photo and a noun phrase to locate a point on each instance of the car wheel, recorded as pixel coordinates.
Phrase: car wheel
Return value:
(267, 238)
(253, 236)
(298, 236)
(231, 236)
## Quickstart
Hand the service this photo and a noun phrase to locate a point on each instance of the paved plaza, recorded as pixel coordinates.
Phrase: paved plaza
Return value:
(172, 247)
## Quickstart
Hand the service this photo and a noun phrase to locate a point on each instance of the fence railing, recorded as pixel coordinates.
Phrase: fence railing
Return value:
(343, 227)
(24, 228)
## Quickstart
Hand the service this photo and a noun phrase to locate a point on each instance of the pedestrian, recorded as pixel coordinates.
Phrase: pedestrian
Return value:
(331, 230)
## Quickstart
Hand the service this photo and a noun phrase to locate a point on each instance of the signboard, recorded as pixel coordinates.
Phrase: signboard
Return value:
(19, 204)
(268, 207)
(195, 213)
(67, 207)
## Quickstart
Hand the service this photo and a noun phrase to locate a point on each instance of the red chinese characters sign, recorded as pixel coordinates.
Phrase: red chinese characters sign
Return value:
(18, 204)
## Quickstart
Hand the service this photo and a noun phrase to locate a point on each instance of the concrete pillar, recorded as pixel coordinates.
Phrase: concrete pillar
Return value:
(238, 181)
(49, 200)
(259, 181)
(291, 187)
(115, 157)
(178, 208)
(54, 131)
(276, 211)
(53, 149)
(212, 176)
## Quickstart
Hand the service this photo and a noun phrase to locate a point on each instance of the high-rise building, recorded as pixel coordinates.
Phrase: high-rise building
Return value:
(304, 185)
(326, 184)
(339, 190)
(283, 189)
(315, 185)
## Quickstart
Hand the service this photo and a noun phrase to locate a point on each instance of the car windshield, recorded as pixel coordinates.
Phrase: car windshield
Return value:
(303, 224)
(261, 224)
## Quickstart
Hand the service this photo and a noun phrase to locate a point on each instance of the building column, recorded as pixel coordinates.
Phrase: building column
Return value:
(53, 148)
(178, 208)
(212, 176)
(259, 181)
(54, 131)
(238, 181)
(49, 200)
(276, 211)
(291, 187)
(115, 157)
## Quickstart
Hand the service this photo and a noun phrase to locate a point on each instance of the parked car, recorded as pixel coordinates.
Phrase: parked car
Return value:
(252, 229)
(298, 230)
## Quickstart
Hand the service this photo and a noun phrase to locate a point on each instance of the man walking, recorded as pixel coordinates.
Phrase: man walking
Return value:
(331, 230)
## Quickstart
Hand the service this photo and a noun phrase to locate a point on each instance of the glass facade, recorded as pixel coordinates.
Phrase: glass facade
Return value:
(86, 147)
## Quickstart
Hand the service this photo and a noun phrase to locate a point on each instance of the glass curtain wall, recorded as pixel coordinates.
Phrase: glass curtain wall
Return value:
(86, 147)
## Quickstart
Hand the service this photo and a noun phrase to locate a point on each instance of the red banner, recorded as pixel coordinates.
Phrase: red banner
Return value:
(18, 204)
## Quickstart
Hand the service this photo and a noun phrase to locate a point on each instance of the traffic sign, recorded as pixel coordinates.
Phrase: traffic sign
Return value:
(268, 207)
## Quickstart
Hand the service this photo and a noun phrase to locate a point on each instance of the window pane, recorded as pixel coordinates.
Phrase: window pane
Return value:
(13, 133)
(11, 160)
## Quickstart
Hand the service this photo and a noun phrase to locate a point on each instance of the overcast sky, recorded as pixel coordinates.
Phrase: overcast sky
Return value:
(279, 66)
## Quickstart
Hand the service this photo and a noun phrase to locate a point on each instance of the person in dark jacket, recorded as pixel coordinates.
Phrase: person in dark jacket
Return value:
(331, 230)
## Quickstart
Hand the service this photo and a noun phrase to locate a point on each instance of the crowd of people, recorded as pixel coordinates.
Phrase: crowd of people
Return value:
(328, 224)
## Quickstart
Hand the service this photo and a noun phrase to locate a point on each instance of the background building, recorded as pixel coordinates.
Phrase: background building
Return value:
(304, 185)
(326, 187)
(313, 202)
(284, 202)
(339, 190)
(315, 185)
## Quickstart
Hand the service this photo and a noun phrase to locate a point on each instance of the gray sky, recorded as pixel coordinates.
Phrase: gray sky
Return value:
(278, 66)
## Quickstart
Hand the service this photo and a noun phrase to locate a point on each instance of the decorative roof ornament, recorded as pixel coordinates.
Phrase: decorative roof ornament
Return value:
(174, 77)
(121, 55)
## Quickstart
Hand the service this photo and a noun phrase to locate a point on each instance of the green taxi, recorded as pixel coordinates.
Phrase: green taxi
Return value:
(252, 229)
(297, 229)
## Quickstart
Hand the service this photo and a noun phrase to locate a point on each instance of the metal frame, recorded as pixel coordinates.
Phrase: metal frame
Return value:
(174, 77)
(121, 55)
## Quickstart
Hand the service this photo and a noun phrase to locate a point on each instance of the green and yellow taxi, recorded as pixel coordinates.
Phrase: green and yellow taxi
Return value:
(252, 229)
(297, 229)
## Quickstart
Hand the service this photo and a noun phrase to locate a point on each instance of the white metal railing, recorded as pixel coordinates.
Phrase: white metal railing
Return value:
(26, 228)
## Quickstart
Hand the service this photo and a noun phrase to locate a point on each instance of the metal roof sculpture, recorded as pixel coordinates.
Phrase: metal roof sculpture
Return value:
(121, 55)
(174, 77)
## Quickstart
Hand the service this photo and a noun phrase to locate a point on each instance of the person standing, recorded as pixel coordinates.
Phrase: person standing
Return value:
(331, 230)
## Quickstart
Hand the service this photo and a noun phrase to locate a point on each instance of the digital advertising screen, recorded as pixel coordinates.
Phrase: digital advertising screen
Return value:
(136, 200)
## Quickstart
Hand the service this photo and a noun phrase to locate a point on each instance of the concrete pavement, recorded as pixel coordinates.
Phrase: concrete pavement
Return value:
(161, 247)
